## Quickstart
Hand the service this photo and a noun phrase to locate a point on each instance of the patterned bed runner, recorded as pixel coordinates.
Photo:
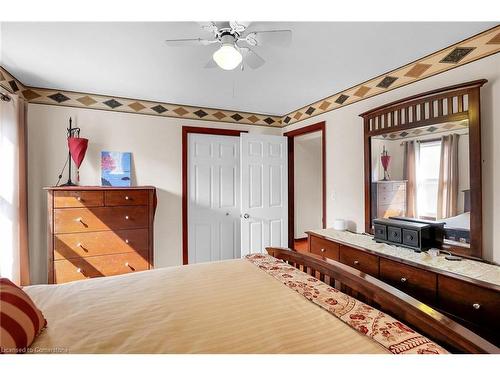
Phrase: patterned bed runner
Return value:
(387, 331)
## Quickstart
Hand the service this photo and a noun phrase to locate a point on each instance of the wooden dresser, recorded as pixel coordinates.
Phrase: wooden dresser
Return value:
(473, 303)
(388, 198)
(99, 231)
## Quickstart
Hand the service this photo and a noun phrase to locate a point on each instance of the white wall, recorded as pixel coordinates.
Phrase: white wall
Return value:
(344, 148)
(308, 183)
(155, 143)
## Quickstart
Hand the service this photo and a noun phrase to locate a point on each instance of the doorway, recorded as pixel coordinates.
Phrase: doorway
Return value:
(234, 193)
(306, 183)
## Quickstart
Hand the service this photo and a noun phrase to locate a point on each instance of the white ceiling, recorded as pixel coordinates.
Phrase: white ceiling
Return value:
(131, 60)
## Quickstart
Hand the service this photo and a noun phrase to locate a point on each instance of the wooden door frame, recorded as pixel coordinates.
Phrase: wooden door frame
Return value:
(185, 131)
(320, 126)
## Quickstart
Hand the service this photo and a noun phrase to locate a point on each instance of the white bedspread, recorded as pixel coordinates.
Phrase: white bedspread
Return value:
(222, 307)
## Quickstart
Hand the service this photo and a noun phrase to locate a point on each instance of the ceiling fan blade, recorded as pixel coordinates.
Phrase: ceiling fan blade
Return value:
(239, 27)
(251, 58)
(189, 42)
(279, 38)
(210, 27)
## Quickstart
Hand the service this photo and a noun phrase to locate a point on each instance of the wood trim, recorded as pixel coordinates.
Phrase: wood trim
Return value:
(472, 114)
(368, 176)
(151, 215)
(185, 131)
(419, 97)
(320, 126)
(50, 237)
(382, 296)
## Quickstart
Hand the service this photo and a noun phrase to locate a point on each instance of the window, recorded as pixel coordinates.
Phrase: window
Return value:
(427, 179)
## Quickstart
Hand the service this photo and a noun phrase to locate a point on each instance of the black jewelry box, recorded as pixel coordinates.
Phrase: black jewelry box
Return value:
(411, 234)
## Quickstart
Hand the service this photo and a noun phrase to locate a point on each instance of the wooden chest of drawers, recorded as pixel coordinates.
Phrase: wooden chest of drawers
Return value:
(99, 231)
(472, 303)
(388, 199)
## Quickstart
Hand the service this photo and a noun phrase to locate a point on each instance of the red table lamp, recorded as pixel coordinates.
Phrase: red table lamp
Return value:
(77, 147)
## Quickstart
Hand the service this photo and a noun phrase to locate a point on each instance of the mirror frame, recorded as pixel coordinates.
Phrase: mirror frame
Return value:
(419, 110)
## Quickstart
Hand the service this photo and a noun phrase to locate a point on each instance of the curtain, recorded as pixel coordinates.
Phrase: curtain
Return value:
(410, 175)
(448, 177)
(14, 257)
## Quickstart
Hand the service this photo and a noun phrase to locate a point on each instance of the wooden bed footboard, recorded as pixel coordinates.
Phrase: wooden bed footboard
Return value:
(423, 318)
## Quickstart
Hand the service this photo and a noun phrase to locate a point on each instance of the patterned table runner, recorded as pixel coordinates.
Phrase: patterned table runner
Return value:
(387, 331)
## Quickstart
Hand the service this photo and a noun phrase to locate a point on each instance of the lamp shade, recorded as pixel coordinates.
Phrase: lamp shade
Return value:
(77, 148)
(386, 159)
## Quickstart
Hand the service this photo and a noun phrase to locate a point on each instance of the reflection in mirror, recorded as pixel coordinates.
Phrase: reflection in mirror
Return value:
(423, 173)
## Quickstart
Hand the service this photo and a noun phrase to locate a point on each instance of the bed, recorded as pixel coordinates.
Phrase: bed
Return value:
(260, 304)
(457, 228)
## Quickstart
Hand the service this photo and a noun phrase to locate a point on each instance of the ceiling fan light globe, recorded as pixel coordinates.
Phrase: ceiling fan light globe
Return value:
(227, 57)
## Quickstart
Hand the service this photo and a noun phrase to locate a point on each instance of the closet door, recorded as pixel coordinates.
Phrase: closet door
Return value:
(264, 192)
(213, 197)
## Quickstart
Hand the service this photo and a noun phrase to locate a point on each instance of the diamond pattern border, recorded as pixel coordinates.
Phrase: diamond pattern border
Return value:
(472, 49)
(101, 102)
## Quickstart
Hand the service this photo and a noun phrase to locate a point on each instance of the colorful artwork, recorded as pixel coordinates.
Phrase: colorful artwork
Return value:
(115, 168)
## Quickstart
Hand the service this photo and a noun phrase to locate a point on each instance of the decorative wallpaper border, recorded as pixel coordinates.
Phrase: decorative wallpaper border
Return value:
(117, 104)
(474, 48)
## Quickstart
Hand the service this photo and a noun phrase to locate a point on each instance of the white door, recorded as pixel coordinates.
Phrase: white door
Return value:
(214, 197)
(264, 192)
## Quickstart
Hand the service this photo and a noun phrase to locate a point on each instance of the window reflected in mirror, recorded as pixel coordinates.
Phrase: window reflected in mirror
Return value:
(423, 173)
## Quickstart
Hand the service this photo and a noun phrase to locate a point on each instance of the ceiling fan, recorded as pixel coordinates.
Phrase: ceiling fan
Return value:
(235, 41)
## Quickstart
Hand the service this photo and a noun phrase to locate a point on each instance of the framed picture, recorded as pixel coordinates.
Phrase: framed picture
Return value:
(115, 168)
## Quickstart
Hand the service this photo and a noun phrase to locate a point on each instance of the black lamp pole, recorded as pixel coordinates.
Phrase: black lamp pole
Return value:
(71, 133)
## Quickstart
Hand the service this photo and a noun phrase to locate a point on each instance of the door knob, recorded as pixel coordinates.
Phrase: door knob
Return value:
(227, 213)
(246, 216)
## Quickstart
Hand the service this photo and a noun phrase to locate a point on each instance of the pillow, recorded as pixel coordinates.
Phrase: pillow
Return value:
(20, 320)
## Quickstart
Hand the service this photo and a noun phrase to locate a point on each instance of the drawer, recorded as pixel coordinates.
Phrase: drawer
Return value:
(470, 302)
(383, 187)
(78, 198)
(105, 265)
(380, 231)
(416, 282)
(83, 245)
(74, 220)
(361, 260)
(325, 248)
(126, 197)
(401, 186)
(411, 238)
(394, 234)
(392, 197)
(385, 211)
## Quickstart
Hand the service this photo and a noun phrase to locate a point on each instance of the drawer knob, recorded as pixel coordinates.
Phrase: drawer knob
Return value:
(476, 306)
(127, 197)
(127, 241)
(356, 262)
(127, 264)
(79, 270)
(322, 250)
(79, 199)
(126, 217)
(403, 279)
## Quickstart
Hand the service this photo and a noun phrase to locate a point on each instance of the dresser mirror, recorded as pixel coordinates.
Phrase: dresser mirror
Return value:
(423, 162)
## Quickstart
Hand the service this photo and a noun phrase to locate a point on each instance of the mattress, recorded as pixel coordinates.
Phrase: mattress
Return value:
(461, 221)
(222, 307)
